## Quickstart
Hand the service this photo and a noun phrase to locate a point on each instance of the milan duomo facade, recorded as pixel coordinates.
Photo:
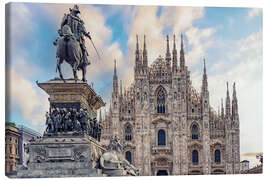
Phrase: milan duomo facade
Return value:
(166, 126)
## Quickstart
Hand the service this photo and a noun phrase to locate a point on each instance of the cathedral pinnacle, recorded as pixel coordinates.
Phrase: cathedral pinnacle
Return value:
(121, 93)
(182, 54)
(174, 46)
(228, 108)
(114, 67)
(204, 67)
(174, 55)
(145, 61)
(222, 109)
(234, 91)
(115, 81)
(204, 81)
(168, 54)
(137, 43)
(137, 54)
(234, 104)
(144, 43)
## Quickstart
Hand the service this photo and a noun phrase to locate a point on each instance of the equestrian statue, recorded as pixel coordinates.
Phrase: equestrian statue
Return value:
(71, 44)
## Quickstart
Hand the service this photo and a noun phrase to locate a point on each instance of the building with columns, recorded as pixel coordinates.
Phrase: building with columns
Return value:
(166, 125)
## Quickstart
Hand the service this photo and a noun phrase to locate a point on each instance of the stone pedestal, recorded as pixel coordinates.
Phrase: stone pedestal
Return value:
(66, 153)
(72, 94)
(62, 156)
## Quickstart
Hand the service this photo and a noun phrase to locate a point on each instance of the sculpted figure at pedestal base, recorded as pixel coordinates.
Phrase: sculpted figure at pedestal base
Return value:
(113, 163)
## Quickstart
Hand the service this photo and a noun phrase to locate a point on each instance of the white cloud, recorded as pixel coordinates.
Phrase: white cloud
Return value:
(180, 18)
(21, 23)
(198, 40)
(254, 12)
(28, 97)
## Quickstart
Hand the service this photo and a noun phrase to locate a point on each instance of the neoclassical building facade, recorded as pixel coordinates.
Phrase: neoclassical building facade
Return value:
(169, 128)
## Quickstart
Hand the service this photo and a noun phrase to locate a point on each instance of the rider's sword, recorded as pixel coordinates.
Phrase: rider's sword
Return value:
(95, 48)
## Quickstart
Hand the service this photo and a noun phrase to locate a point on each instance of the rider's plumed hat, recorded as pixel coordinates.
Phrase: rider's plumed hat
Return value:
(75, 8)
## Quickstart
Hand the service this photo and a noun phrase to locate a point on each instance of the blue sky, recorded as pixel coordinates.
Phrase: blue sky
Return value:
(229, 38)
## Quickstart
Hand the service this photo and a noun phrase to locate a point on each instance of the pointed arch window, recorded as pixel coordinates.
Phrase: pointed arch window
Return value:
(161, 138)
(128, 156)
(194, 131)
(195, 157)
(161, 101)
(217, 156)
(128, 132)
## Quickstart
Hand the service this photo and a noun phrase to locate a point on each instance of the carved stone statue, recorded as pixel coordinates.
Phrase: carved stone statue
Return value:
(71, 44)
(113, 163)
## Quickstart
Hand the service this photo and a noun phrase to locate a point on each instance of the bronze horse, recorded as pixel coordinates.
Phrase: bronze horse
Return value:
(68, 49)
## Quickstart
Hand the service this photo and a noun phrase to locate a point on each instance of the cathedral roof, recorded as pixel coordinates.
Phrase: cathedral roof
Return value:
(159, 63)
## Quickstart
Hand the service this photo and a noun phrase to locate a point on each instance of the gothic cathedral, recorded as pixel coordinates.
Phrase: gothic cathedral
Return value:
(166, 126)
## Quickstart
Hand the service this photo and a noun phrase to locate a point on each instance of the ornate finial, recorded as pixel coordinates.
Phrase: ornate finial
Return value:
(144, 43)
(121, 87)
(137, 43)
(204, 67)
(234, 90)
(115, 66)
(168, 47)
(182, 44)
(174, 46)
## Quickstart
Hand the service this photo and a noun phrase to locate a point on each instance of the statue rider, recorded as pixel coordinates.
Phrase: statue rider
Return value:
(77, 28)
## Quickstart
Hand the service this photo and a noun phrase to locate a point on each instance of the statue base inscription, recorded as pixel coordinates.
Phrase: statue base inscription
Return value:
(62, 157)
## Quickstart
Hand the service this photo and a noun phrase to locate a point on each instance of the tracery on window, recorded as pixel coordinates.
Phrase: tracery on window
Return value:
(128, 132)
(194, 132)
(161, 101)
